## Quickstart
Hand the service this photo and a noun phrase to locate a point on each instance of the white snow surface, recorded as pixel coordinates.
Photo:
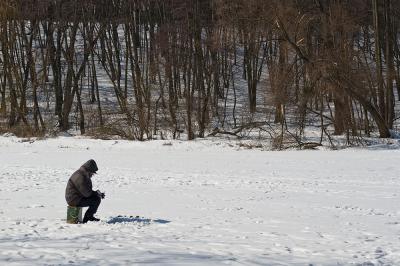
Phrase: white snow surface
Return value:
(200, 203)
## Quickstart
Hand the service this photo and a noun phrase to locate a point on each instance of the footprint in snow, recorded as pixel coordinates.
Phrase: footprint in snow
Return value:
(35, 206)
(379, 253)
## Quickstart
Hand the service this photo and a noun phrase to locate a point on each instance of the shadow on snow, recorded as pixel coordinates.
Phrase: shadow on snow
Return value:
(135, 219)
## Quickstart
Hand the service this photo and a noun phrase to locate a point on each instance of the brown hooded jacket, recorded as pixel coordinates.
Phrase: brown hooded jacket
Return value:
(79, 185)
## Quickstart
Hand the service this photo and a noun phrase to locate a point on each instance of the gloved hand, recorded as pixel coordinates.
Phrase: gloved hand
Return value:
(100, 194)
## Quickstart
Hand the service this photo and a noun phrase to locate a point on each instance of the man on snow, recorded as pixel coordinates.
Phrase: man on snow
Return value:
(79, 191)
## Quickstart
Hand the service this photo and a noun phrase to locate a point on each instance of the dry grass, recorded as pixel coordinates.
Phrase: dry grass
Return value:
(21, 131)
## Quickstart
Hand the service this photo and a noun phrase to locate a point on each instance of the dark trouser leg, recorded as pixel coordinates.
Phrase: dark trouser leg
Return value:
(92, 202)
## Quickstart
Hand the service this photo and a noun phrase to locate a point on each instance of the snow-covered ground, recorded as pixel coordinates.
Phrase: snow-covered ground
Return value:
(203, 203)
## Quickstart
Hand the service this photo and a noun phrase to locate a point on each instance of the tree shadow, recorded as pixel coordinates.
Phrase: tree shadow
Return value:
(135, 219)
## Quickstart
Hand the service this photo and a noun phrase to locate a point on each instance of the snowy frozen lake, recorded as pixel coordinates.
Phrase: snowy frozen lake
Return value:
(200, 203)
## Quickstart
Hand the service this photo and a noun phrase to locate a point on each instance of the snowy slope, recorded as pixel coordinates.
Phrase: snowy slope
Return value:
(200, 203)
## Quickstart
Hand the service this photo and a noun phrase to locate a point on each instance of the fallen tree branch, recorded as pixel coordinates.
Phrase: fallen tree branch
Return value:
(238, 130)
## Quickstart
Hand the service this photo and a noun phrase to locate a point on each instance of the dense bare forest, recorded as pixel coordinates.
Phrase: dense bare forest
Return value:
(143, 69)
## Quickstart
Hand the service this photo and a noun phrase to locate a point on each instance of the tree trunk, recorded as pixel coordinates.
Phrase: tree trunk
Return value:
(389, 110)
